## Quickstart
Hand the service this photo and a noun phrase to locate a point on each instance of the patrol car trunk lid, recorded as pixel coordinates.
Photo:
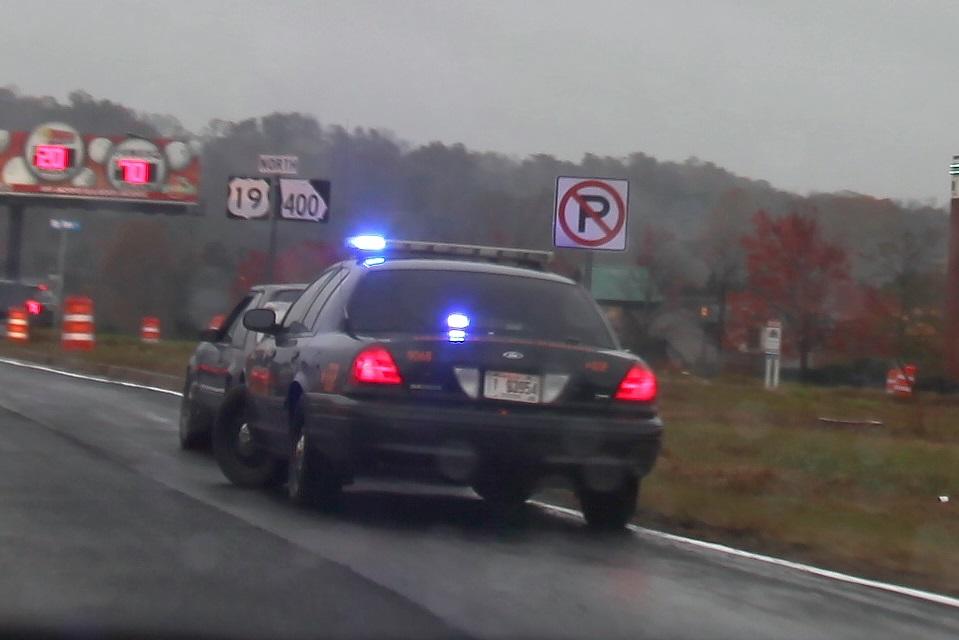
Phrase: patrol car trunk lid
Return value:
(499, 371)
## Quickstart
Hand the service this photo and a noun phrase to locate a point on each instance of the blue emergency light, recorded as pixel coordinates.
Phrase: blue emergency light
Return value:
(457, 321)
(367, 243)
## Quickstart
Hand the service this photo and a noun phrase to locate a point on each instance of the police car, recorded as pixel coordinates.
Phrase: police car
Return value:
(460, 363)
(217, 362)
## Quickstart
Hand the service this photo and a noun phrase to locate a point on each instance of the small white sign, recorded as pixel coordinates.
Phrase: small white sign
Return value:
(304, 199)
(773, 338)
(248, 198)
(279, 165)
(590, 213)
(65, 225)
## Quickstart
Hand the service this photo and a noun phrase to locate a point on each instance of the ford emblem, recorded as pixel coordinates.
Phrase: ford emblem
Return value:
(513, 355)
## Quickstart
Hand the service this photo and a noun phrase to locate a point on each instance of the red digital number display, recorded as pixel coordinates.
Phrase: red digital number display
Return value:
(135, 171)
(52, 157)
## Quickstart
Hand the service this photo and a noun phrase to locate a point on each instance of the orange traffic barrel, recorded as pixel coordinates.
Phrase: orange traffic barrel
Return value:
(18, 325)
(216, 322)
(900, 382)
(78, 332)
(150, 330)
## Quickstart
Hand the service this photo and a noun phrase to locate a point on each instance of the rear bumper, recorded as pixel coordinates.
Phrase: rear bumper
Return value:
(456, 442)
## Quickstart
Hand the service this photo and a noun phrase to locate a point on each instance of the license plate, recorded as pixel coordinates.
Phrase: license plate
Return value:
(517, 387)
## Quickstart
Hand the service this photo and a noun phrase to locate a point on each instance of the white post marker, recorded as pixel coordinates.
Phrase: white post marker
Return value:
(772, 345)
(307, 200)
(248, 198)
(591, 213)
(271, 165)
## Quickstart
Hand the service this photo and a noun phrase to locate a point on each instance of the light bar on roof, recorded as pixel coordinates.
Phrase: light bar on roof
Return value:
(367, 243)
(493, 254)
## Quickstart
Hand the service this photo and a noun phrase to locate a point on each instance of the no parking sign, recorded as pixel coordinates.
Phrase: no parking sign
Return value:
(591, 213)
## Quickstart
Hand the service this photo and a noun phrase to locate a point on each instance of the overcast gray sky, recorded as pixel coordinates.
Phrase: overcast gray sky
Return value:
(810, 95)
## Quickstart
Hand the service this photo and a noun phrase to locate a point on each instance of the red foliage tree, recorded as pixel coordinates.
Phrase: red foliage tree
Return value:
(793, 274)
(301, 262)
(864, 326)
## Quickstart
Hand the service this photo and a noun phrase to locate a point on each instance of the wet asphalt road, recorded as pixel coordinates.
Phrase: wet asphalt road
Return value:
(105, 527)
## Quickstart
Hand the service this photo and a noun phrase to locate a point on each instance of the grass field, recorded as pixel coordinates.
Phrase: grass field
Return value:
(758, 470)
(168, 357)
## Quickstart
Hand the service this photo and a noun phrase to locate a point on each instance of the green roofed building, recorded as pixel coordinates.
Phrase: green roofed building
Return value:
(625, 285)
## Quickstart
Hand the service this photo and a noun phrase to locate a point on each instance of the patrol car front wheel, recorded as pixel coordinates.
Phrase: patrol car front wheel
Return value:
(243, 462)
(194, 421)
(309, 481)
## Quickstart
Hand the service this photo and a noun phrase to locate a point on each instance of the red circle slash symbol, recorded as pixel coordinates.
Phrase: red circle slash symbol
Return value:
(586, 207)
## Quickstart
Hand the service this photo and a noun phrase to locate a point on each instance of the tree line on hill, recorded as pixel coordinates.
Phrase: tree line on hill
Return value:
(851, 276)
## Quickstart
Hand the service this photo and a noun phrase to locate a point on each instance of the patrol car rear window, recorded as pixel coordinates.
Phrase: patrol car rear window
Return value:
(286, 295)
(420, 301)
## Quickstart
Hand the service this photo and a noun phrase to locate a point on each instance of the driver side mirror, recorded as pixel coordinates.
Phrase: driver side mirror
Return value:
(261, 321)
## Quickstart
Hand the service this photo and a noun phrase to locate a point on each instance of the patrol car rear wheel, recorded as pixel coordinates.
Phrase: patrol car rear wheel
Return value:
(609, 509)
(243, 462)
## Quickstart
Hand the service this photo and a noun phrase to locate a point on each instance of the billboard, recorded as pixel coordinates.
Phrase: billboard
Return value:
(54, 160)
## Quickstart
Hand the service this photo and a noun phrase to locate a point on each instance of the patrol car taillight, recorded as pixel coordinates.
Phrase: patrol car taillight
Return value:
(375, 365)
(638, 385)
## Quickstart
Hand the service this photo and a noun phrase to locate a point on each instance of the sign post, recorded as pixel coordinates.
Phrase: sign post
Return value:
(277, 198)
(63, 226)
(772, 345)
(590, 213)
(275, 165)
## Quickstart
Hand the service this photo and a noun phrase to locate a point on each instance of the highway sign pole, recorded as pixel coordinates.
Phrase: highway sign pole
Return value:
(63, 226)
(61, 285)
(274, 221)
(275, 197)
(588, 272)
(275, 165)
(14, 239)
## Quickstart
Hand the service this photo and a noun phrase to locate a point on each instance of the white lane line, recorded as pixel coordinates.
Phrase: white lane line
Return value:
(80, 376)
(662, 535)
(779, 562)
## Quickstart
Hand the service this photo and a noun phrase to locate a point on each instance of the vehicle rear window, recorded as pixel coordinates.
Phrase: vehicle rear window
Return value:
(14, 294)
(286, 295)
(419, 302)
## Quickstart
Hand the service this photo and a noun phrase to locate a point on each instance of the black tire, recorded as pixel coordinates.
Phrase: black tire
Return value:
(609, 509)
(309, 481)
(194, 428)
(241, 461)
